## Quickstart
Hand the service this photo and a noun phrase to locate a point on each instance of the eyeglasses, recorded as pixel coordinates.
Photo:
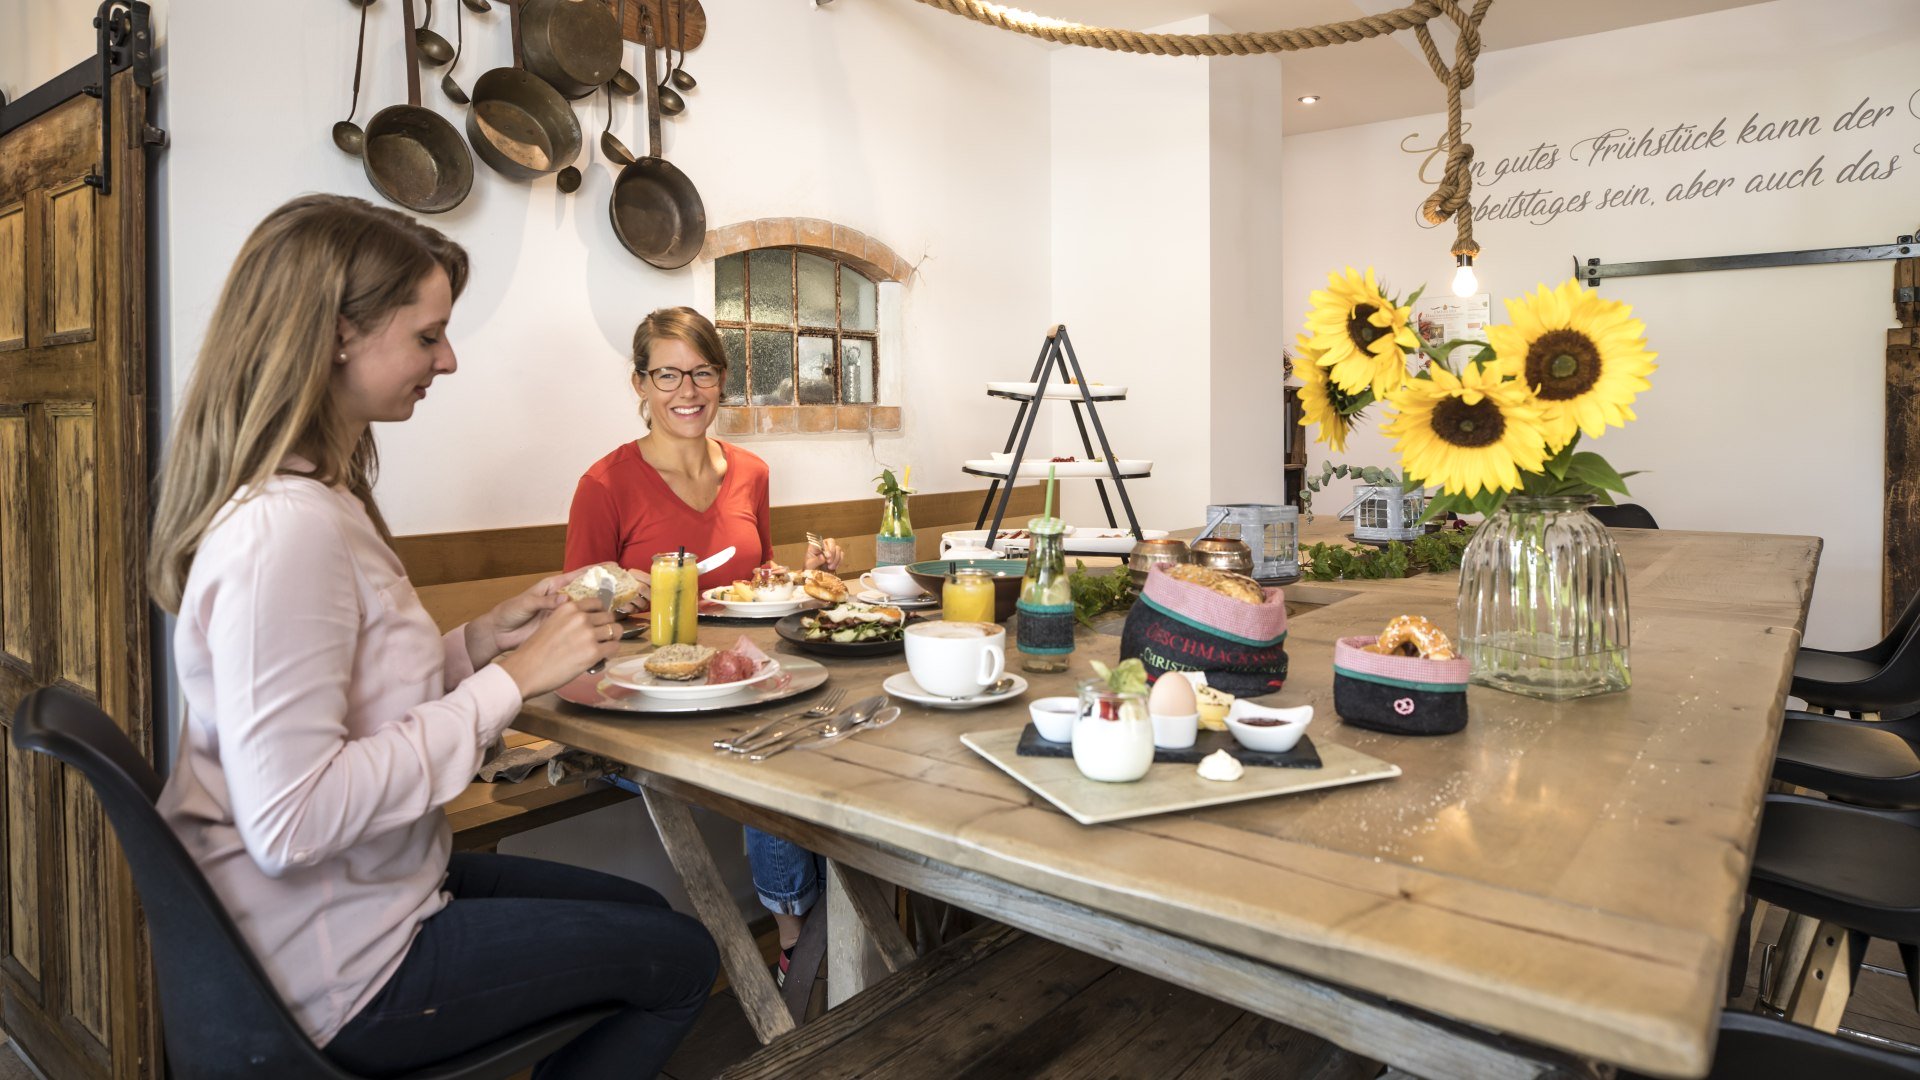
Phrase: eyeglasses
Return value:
(667, 378)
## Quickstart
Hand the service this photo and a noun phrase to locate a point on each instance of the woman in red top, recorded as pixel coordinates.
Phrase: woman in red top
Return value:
(675, 487)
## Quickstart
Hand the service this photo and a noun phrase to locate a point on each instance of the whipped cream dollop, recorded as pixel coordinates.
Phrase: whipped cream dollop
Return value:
(1221, 766)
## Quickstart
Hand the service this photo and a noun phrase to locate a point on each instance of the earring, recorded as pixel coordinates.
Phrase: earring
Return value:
(343, 356)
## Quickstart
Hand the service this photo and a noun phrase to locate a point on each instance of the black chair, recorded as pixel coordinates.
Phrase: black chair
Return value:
(1761, 1048)
(1870, 762)
(1624, 516)
(220, 1015)
(1882, 678)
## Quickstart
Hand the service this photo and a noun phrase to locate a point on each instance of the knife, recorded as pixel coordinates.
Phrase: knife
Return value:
(718, 558)
(815, 737)
(853, 714)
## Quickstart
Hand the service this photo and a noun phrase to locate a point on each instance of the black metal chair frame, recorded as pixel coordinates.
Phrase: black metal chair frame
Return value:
(220, 1013)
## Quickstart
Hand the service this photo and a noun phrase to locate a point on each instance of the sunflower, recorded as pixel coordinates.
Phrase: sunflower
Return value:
(1467, 432)
(1361, 334)
(1584, 358)
(1324, 404)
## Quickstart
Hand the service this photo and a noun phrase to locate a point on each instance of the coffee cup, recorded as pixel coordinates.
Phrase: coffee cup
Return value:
(893, 581)
(956, 659)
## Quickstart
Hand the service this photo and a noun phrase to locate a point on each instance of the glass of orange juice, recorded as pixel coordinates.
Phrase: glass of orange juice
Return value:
(967, 596)
(676, 600)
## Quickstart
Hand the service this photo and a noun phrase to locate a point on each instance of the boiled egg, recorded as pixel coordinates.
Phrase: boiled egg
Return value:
(1172, 695)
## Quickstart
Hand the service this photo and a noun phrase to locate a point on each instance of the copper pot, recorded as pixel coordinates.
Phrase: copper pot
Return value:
(1222, 553)
(1150, 553)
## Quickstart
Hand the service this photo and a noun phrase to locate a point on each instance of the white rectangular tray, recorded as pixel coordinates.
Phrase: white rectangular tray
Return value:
(1037, 468)
(1081, 539)
(1058, 391)
(1167, 787)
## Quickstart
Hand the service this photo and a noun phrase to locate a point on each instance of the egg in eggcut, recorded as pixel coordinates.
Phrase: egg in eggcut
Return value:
(1172, 695)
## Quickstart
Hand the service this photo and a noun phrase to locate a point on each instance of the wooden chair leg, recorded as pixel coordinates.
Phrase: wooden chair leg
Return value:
(1825, 983)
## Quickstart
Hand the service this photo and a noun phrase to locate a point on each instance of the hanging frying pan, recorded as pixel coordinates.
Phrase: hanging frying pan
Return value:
(520, 125)
(573, 44)
(412, 155)
(656, 211)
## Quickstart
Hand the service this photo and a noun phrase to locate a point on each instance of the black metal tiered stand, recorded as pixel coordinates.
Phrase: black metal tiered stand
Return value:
(1056, 353)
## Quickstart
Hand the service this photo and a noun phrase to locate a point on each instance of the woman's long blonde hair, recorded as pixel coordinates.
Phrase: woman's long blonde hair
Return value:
(260, 388)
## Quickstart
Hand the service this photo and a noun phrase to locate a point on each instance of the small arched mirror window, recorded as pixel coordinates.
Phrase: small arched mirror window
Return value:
(801, 327)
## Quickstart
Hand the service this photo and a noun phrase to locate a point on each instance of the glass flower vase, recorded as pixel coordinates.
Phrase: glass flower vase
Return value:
(1543, 601)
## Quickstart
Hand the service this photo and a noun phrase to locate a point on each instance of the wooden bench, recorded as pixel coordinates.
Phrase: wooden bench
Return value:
(1001, 1003)
(460, 575)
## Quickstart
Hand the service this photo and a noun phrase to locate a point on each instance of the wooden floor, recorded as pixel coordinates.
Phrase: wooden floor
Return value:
(1246, 1046)
(11, 1066)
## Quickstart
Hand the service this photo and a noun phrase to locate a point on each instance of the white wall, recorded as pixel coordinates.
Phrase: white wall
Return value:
(1767, 412)
(1165, 223)
(40, 39)
(892, 119)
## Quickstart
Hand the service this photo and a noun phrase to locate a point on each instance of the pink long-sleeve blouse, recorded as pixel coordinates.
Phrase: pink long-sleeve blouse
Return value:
(327, 723)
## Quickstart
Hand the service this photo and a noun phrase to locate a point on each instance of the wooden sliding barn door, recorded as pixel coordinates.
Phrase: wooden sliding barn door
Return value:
(74, 982)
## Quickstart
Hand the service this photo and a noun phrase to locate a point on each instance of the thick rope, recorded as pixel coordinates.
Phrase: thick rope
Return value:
(1097, 37)
(1451, 199)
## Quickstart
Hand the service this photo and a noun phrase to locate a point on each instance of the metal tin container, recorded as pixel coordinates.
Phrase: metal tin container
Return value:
(1222, 553)
(1148, 553)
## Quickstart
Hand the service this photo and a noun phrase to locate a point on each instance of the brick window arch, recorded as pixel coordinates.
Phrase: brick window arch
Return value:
(799, 305)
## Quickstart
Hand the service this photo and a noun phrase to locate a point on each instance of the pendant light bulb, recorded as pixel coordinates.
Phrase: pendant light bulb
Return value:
(1464, 281)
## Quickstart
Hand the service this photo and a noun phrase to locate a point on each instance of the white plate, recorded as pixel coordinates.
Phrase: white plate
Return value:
(798, 674)
(632, 673)
(1036, 468)
(755, 609)
(1087, 539)
(902, 686)
(1058, 391)
(875, 596)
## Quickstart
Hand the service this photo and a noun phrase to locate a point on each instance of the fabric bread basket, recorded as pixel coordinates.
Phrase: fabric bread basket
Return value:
(1406, 695)
(1184, 626)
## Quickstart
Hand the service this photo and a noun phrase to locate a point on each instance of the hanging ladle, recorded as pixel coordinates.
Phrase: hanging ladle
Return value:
(478, 7)
(678, 76)
(347, 134)
(671, 102)
(433, 48)
(447, 86)
(610, 143)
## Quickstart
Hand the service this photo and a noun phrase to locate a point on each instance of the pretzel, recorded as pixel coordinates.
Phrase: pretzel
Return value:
(1412, 635)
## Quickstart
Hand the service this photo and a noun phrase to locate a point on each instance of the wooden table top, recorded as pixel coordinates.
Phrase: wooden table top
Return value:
(1570, 874)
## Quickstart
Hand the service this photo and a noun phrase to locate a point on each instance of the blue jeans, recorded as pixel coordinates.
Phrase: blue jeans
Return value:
(787, 876)
(524, 940)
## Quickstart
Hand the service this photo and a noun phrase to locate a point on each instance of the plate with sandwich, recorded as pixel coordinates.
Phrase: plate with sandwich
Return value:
(847, 629)
(692, 672)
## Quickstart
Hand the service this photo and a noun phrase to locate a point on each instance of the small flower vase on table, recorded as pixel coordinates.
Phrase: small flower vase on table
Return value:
(1543, 601)
(894, 545)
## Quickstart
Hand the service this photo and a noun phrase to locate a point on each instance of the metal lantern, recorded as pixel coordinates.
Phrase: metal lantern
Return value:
(1383, 512)
(1272, 533)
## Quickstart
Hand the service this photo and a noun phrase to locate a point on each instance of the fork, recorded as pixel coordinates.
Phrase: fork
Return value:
(814, 541)
(824, 707)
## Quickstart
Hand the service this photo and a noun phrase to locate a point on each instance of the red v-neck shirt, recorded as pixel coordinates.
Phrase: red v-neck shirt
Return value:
(624, 512)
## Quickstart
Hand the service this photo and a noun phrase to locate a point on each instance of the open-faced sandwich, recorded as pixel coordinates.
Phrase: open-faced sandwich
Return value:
(847, 623)
(626, 587)
(680, 663)
(823, 586)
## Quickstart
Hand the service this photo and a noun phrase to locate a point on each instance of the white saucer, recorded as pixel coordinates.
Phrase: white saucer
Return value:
(875, 596)
(902, 686)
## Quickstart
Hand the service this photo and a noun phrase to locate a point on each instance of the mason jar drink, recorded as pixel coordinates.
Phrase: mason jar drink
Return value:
(676, 600)
(967, 596)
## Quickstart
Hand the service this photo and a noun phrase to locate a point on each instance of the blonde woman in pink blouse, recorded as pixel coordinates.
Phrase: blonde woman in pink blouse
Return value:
(328, 721)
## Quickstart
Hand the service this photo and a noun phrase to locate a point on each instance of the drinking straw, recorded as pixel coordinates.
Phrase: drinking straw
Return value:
(906, 480)
(1050, 482)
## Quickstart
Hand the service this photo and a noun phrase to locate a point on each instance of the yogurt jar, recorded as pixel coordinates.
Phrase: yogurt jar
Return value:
(1113, 735)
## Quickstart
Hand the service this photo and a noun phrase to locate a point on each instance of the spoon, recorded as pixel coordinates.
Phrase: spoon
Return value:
(447, 85)
(347, 134)
(855, 714)
(434, 49)
(1000, 687)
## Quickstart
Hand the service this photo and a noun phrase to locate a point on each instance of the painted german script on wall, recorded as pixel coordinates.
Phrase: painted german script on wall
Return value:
(1542, 183)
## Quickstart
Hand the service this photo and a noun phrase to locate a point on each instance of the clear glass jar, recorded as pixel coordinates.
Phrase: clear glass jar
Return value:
(894, 545)
(1044, 631)
(1112, 735)
(675, 585)
(1543, 601)
(967, 595)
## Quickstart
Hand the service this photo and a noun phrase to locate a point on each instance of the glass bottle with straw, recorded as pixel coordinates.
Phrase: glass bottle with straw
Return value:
(676, 599)
(894, 546)
(1043, 633)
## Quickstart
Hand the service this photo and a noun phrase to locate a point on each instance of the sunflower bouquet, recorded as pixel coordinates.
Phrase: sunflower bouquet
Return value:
(1569, 363)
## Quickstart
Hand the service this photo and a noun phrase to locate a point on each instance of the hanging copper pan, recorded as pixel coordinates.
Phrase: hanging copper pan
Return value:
(412, 155)
(573, 44)
(519, 124)
(656, 211)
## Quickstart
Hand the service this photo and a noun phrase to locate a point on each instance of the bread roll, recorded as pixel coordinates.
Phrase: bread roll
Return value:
(679, 662)
(626, 587)
(824, 586)
(1230, 585)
